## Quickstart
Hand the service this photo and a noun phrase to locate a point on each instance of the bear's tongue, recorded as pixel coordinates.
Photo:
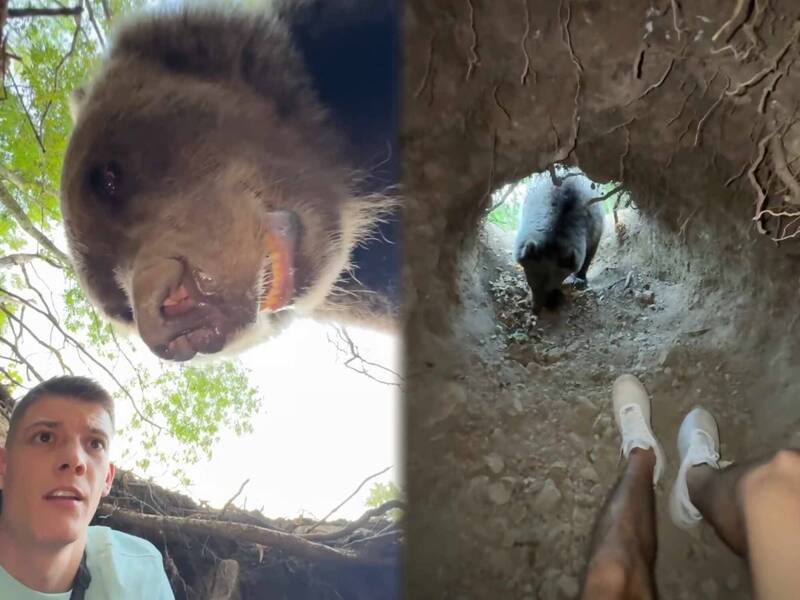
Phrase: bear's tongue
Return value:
(281, 241)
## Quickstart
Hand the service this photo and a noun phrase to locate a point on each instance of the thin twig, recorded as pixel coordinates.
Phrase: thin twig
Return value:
(36, 135)
(236, 495)
(28, 366)
(23, 326)
(107, 10)
(56, 72)
(78, 345)
(354, 355)
(346, 500)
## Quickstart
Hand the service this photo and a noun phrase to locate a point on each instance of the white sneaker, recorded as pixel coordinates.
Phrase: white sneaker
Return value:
(698, 444)
(632, 414)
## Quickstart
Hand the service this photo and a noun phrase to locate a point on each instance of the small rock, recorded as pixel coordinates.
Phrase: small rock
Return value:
(576, 441)
(589, 474)
(499, 492)
(495, 462)
(547, 498)
(645, 298)
(534, 368)
(557, 470)
(568, 586)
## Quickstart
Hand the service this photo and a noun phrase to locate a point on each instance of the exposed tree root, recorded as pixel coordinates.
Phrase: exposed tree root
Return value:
(474, 59)
(744, 86)
(730, 26)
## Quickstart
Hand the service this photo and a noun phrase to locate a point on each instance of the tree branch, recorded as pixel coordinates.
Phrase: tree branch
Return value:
(25, 186)
(7, 200)
(28, 366)
(11, 316)
(22, 183)
(18, 13)
(107, 10)
(23, 258)
(82, 351)
(607, 195)
(512, 187)
(95, 24)
(362, 520)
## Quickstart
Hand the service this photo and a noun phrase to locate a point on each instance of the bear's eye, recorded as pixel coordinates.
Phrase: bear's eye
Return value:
(125, 314)
(106, 181)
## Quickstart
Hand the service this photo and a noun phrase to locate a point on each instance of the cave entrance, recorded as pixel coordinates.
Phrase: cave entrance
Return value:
(503, 237)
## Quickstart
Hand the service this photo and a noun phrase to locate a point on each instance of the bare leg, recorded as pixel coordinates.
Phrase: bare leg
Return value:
(623, 548)
(732, 499)
(715, 494)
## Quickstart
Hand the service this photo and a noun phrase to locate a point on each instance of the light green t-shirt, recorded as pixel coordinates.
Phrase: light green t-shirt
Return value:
(122, 566)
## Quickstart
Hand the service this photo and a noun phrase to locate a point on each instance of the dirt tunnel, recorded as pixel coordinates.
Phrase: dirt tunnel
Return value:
(512, 446)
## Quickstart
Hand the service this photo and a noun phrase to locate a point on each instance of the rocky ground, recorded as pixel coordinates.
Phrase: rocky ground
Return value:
(524, 436)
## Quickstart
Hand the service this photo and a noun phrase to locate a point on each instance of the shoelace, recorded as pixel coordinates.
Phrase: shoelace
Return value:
(703, 446)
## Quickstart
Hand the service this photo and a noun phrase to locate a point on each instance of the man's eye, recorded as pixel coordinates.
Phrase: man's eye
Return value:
(97, 444)
(44, 437)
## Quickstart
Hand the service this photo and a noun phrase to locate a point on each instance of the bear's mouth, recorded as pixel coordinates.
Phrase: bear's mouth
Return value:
(182, 308)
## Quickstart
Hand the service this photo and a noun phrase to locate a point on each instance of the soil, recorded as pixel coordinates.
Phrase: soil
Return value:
(524, 436)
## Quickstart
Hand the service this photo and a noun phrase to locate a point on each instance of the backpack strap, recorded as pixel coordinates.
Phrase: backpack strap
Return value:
(82, 580)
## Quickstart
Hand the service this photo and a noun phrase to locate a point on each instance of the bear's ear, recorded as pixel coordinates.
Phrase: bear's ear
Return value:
(76, 101)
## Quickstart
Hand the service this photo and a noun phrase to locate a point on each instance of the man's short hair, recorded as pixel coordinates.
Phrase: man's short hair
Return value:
(66, 386)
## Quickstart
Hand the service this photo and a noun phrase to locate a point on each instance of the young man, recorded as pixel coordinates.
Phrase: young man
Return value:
(753, 506)
(54, 469)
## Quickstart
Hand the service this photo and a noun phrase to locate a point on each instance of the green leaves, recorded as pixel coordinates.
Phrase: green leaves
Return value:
(186, 410)
(380, 493)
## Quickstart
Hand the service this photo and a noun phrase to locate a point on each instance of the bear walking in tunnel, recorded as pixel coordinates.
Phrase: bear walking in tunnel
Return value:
(558, 234)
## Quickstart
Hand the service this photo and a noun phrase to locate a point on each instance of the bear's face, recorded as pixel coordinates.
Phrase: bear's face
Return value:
(197, 209)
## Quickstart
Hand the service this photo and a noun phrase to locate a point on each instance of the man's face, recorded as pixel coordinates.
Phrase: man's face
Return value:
(55, 470)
